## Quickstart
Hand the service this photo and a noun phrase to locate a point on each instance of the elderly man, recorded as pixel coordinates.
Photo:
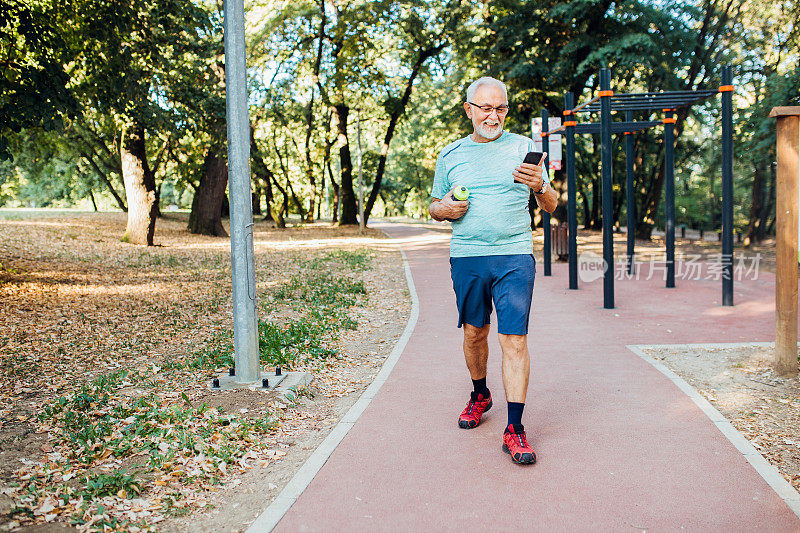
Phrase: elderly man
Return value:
(491, 251)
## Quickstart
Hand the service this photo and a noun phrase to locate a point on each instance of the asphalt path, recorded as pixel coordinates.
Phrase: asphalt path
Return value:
(620, 447)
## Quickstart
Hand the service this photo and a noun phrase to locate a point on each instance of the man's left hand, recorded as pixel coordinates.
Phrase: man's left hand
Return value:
(530, 175)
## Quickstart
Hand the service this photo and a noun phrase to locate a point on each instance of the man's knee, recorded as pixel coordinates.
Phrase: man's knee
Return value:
(514, 345)
(475, 335)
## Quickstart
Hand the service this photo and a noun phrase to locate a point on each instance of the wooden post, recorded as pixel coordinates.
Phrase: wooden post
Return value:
(786, 236)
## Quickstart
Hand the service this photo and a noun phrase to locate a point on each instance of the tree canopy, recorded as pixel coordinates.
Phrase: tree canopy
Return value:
(99, 99)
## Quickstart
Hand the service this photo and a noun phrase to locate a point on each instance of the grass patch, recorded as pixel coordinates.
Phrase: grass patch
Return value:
(218, 353)
(107, 423)
(356, 260)
(118, 483)
(286, 344)
(323, 292)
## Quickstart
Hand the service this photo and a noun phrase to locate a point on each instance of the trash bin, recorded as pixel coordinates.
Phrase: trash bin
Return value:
(559, 241)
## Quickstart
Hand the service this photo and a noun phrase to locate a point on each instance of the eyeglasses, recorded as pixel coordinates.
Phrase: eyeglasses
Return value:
(501, 109)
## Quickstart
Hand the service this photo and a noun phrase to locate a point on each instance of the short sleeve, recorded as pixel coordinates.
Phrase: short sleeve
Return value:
(441, 181)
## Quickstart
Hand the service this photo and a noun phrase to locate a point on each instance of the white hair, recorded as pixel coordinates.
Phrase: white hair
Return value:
(485, 80)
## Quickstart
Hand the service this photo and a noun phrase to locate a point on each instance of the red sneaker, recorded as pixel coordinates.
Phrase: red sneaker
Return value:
(516, 444)
(472, 413)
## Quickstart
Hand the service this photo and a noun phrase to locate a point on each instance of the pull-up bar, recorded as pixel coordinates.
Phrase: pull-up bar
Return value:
(668, 102)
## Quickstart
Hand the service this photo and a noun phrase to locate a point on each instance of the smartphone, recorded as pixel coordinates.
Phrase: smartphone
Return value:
(533, 158)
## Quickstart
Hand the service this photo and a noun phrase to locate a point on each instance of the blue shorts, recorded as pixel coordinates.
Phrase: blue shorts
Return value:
(506, 279)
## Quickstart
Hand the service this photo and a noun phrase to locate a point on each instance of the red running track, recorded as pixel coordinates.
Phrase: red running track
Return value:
(619, 446)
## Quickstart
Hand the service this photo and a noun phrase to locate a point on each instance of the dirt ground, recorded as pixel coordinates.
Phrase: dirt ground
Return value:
(740, 383)
(76, 303)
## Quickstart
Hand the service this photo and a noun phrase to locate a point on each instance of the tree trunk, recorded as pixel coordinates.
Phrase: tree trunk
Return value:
(595, 213)
(648, 212)
(206, 215)
(269, 198)
(158, 198)
(297, 203)
(644, 224)
(587, 212)
(755, 229)
(106, 181)
(256, 199)
(226, 206)
(140, 188)
(94, 203)
(310, 117)
(320, 195)
(335, 207)
(618, 201)
(347, 195)
(769, 208)
(279, 212)
(262, 173)
(397, 112)
(327, 165)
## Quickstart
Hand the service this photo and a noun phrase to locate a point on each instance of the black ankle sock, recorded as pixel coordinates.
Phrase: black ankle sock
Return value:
(515, 413)
(479, 386)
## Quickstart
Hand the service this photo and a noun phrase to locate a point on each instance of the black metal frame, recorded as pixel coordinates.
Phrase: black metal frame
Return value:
(667, 102)
(545, 214)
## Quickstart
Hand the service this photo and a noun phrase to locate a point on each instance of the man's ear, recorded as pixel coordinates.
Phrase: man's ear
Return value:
(468, 110)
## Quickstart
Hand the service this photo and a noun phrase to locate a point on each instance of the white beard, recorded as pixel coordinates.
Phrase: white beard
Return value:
(488, 132)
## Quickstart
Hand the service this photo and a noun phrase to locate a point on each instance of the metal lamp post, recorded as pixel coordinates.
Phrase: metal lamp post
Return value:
(245, 319)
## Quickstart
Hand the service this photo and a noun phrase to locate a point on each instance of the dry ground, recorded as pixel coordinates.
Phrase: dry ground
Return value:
(77, 304)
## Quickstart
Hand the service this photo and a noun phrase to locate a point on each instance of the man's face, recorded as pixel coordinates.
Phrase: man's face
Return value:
(488, 126)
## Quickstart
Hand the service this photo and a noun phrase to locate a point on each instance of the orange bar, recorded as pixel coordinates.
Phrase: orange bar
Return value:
(589, 102)
(605, 93)
(570, 123)
(670, 120)
(567, 111)
(726, 88)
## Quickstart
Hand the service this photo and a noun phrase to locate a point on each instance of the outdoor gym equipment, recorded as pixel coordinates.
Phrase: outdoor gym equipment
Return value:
(668, 102)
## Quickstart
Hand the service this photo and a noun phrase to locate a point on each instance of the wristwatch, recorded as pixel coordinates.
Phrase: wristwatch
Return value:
(543, 189)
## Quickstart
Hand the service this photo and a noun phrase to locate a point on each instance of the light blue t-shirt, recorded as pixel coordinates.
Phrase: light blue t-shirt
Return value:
(497, 221)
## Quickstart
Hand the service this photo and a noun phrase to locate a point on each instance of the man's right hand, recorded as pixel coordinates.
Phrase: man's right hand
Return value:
(448, 208)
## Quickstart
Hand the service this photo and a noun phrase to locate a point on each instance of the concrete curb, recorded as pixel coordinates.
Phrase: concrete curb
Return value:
(267, 520)
(768, 472)
(293, 380)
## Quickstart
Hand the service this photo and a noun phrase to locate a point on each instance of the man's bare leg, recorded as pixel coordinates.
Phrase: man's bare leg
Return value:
(516, 370)
(516, 366)
(476, 353)
(476, 350)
